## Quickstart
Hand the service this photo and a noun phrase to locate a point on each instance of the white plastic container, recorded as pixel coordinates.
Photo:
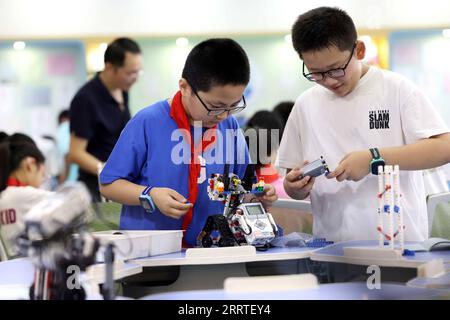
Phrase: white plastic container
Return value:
(132, 244)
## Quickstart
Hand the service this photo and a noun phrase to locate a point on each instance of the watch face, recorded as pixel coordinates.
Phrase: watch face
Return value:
(375, 165)
(146, 205)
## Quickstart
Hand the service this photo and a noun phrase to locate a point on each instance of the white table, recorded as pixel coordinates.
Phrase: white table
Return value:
(439, 282)
(335, 291)
(16, 277)
(335, 253)
(212, 266)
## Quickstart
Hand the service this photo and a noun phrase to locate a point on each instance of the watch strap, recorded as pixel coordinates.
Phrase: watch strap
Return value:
(375, 153)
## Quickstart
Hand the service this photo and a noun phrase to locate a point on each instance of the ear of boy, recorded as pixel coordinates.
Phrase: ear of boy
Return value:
(184, 87)
(360, 50)
(29, 164)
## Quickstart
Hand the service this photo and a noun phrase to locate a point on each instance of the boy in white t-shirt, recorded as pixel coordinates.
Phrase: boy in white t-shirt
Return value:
(22, 171)
(352, 116)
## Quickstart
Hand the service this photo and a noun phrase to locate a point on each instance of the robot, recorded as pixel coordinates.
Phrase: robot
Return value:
(241, 223)
(389, 209)
(56, 238)
(388, 206)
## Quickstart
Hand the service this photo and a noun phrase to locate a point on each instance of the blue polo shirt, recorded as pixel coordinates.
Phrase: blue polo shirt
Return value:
(151, 151)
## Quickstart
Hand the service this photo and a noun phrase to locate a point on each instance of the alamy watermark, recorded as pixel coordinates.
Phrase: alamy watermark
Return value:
(374, 280)
(225, 147)
(73, 280)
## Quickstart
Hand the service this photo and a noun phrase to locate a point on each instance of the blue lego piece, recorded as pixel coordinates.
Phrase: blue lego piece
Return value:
(257, 192)
(386, 209)
(386, 243)
(318, 243)
(396, 209)
(408, 253)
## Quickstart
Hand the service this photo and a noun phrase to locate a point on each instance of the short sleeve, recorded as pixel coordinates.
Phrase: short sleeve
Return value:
(289, 153)
(129, 154)
(82, 117)
(420, 119)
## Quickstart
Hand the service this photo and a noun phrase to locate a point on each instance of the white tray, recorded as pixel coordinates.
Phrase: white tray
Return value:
(132, 244)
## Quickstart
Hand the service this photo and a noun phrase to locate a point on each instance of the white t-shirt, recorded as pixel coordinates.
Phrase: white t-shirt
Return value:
(15, 202)
(446, 171)
(384, 110)
(435, 181)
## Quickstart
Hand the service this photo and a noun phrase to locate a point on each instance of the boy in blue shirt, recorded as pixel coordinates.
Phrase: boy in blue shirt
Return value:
(168, 150)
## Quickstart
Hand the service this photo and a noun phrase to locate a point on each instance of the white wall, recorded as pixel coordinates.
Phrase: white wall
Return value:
(75, 18)
(275, 71)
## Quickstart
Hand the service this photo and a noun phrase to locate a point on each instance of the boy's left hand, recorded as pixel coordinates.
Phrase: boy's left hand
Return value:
(270, 194)
(353, 167)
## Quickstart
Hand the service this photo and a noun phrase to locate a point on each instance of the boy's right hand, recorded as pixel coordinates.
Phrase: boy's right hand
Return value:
(170, 202)
(297, 187)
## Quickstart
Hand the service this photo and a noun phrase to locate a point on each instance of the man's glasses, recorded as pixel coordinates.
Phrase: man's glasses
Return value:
(219, 111)
(333, 73)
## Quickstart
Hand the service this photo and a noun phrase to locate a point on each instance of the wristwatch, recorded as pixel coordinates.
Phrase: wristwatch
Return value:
(146, 200)
(376, 161)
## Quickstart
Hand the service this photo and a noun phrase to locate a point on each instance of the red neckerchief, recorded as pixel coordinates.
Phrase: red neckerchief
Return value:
(178, 114)
(268, 172)
(14, 183)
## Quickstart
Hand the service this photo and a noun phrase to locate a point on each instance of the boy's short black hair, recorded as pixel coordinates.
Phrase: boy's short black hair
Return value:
(216, 62)
(116, 50)
(322, 28)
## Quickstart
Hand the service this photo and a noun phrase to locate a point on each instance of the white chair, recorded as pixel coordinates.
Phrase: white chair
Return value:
(302, 205)
(432, 203)
(16, 277)
(270, 283)
(292, 215)
(16, 271)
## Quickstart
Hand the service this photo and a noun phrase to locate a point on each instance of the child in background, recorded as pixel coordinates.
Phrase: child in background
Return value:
(263, 135)
(22, 172)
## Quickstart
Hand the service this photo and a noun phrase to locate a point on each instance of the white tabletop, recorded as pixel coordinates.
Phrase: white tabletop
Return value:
(16, 276)
(336, 291)
(441, 281)
(96, 272)
(335, 253)
(180, 258)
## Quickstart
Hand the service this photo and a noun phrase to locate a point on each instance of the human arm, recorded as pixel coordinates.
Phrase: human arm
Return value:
(423, 154)
(269, 196)
(79, 155)
(83, 120)
(168, 201)
(296, 187)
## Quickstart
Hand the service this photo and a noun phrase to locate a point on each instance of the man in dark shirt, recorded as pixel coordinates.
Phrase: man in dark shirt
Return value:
(99, 111)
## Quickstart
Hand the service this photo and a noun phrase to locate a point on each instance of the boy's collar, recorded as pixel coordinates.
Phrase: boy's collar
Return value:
(12, 182)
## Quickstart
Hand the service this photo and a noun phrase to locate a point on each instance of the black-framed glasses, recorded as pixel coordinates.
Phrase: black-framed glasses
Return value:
(333, 73)
(219, 111)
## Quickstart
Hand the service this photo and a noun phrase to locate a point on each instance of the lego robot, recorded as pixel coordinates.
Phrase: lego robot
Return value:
(241, 223)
